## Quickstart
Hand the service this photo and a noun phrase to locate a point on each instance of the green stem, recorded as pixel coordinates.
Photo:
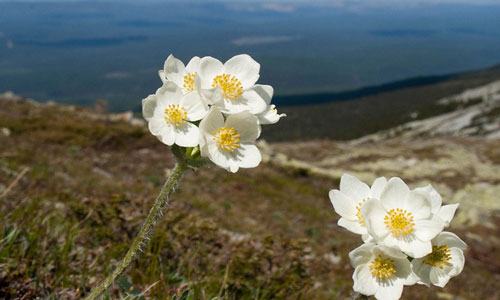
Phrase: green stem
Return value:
(147, 229)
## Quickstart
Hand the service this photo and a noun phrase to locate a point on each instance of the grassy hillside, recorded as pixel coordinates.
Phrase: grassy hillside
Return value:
(371, 109)
(74, 189)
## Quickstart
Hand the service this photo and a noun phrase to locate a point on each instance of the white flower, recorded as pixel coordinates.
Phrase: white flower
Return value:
(270, 114)
(169, 114)
(402, 219)
(230, 86)
(445, 212)
(348, 201)
(446, 260)
(183, 76)
(229, 144)
(380, 271)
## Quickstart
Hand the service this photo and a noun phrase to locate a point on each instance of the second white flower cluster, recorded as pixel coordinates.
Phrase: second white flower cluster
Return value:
(215, 106)
(402, 230)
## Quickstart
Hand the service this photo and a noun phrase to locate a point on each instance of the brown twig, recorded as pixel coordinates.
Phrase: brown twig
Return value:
(13, 183)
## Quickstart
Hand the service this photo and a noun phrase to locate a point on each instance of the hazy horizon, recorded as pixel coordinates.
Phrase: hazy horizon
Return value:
(78, 51)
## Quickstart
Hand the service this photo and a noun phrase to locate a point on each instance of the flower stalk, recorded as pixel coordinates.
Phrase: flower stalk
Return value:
(147, 228)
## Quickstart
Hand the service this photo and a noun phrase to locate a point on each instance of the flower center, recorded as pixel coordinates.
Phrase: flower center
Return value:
(383, 268)
(230, 85)
(399, 222)
(358, 214)
(439, 257)
(227, 138)
(189, 81)
(175, 115)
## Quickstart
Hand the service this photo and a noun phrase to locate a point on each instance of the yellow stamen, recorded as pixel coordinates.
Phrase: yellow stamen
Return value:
(189, 82)
(439, 257)
(175, 115)
(399, 222)
(383, 268)
(227, 138)
(358, 214)
(230, 85)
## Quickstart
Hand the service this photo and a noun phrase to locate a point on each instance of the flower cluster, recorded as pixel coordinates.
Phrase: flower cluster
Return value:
(402, 230)
(217, 109)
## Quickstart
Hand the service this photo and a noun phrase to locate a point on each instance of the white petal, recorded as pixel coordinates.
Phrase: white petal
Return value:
(415, 248)
(148, 106)
(209, 68)
(174, 70)
(187, 135)
(435, 201)
(211, 96)
(394, 193)
(253, 100)
(245, 68)
(193, 65)
(438, 277)
(392, 252)
(447, 212)
(246, 124)
(164, 132)
(426, 230)
(195, 107)
(361, 255)
(250, 156)
(367, 238)
(168, 94)
(422, 271)
(343, 205)
(156, 123)
(389, 292)
(354, 188)
(270, 116)
(265, 92)
(248, 101)
(457, 260)
(353, 226)
(163, 78)
(373, 214)
(364, 282)
(212, 122)
(403, 271)
(217, 157)
(450, 239)
(378, 186)
(418, 204)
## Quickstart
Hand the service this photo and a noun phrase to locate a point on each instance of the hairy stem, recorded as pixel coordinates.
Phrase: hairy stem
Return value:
(147, 229)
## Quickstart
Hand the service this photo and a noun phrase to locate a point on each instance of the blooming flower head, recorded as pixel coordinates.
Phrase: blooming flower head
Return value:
(402, 219)
(348, 201)
(183, 76)
(446, 260)
(229, 143)
(270, 114)
(224, 99)
(380, 271)
(230, 86)
(169, 114)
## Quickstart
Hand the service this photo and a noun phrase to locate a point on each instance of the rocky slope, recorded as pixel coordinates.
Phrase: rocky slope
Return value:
(476, 113)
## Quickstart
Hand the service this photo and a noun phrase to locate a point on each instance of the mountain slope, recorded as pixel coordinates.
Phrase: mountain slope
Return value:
(477, 113)
(371, 113)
